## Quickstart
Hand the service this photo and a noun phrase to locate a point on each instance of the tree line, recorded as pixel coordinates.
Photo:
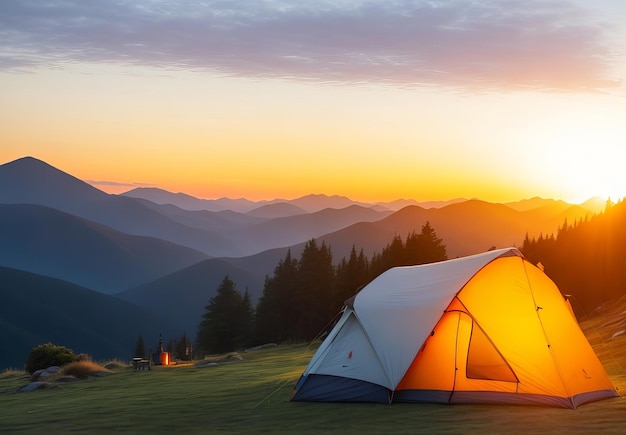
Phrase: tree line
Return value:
(586, 259)
(303, 295)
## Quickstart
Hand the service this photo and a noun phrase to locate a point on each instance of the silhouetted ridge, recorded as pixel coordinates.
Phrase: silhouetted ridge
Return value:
(30, 180)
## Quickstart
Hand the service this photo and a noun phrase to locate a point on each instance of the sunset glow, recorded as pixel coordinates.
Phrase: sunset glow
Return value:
(500, 100)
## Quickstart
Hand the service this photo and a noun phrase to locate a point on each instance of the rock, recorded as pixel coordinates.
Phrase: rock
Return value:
(34, 386)
(44, 373)
(232, 356)
(262, 346)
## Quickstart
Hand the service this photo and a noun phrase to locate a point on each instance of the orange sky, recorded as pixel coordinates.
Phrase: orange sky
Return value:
(371, 100)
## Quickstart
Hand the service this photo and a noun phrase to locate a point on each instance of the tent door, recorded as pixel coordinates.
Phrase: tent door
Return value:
(479, 365)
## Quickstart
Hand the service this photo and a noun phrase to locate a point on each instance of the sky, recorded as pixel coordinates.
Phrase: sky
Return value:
(374, 100)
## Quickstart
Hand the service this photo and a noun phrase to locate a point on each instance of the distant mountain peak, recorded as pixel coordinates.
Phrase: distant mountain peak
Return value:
(29, 162)
(323, 196)
(189, 202)
(278, 209)
(156, 192)
(596, 204)
(319, 201)
(30, 180)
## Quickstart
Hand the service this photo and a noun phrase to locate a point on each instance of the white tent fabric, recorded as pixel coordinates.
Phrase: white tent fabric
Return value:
(351, 340)
(398, 333)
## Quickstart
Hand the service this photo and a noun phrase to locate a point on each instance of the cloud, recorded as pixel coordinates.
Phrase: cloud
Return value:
(117, 184)
(482, 45)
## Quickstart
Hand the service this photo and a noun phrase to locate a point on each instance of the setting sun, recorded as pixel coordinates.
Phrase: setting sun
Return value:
(585, 160)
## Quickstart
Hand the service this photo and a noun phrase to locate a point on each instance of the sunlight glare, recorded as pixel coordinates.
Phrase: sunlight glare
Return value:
(586, 162)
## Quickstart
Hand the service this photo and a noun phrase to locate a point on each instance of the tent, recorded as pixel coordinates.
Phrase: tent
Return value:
(488, 328)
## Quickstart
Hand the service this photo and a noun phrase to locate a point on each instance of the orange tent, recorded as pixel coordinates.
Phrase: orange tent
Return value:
(489, 328)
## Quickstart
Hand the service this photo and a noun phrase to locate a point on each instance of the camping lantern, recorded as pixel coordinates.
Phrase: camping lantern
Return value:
(165, 358)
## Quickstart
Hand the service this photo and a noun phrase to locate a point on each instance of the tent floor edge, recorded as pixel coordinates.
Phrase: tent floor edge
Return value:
(502, 398)
(593, 396)
(421, 396)
(329, 388)
(499, 398)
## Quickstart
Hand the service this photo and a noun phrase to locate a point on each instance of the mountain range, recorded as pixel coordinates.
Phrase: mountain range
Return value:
(306, 204)
(165, 253)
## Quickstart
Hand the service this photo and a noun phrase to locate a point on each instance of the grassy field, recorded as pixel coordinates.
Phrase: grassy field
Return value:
(252, 396)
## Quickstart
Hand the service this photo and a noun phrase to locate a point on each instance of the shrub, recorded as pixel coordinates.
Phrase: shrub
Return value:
(83, 357)
(46, 355)
(83, 369)
(11, 372)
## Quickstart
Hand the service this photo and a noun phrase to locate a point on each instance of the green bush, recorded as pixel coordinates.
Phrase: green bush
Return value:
(46, 355)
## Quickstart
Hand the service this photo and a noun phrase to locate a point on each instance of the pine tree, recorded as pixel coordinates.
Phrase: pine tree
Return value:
(182, 347)
(431, 248)
(313, 293)
(246, 322)
(140, 348)
(276, 316)
(421, 248)
(285, 284)
(350, 276)
(267, 322)
(391, 256)
(220, 328)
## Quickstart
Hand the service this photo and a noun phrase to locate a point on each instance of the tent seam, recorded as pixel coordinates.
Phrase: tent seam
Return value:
(548, 341)
(374, 349)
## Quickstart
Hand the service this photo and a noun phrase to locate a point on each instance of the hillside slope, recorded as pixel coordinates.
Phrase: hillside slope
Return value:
(182, 296)
(56, 244)
(35, 309)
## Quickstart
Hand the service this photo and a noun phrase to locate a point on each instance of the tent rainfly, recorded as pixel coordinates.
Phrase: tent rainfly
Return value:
(488, 328)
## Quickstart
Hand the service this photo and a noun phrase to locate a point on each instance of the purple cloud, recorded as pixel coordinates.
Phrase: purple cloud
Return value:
(487, 45)
(117, 184)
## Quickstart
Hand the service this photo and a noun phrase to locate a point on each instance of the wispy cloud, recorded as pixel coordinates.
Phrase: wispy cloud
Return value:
(117, 184)
(489, 44)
